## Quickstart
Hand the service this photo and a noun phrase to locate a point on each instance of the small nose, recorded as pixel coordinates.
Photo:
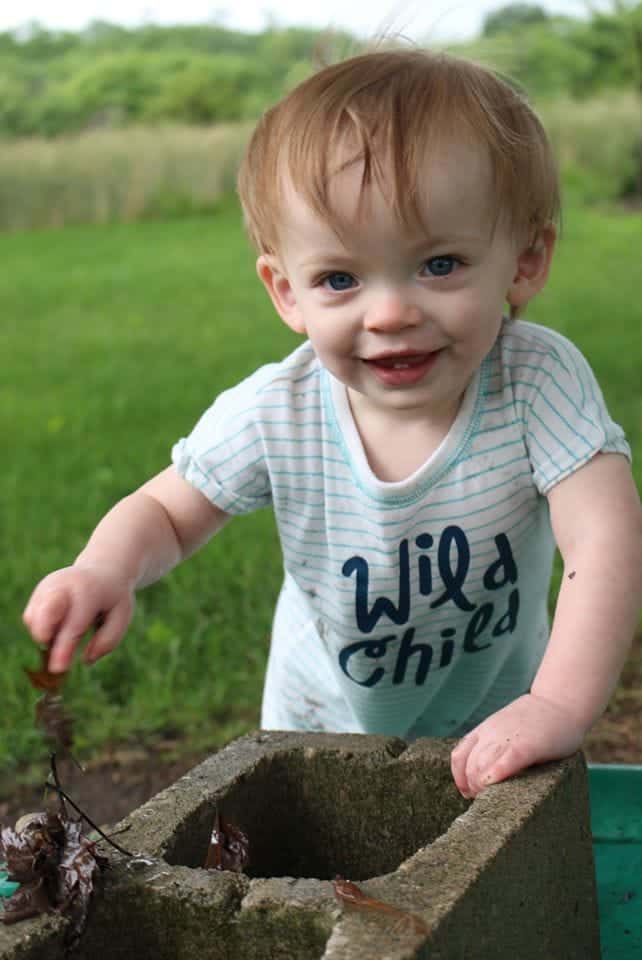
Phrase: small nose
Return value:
(391, 311)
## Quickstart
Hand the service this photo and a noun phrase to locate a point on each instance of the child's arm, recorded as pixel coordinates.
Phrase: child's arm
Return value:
(597, 522)
(140, 539)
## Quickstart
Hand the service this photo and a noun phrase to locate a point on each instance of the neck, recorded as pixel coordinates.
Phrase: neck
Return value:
(398, 442)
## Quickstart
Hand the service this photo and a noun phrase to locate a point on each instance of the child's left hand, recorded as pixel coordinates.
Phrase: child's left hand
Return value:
(529, 730)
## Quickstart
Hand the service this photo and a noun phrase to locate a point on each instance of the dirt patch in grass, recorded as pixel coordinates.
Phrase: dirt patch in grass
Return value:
(126, 776)
(112, 785)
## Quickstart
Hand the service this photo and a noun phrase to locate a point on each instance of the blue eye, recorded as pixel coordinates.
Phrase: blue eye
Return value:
(339, 281)
(440, 266)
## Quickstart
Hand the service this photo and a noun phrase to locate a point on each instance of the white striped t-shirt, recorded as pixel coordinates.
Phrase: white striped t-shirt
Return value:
(417, 607)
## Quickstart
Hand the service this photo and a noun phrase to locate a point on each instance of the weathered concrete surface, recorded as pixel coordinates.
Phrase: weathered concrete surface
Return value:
(507, 876)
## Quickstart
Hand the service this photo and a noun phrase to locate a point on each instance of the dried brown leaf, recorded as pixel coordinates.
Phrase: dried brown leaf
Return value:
(44, 680)
(51, 715)
(229, 847)
(55, 865)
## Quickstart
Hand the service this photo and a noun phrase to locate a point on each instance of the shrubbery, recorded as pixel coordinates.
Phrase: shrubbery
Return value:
(117, 124)
(110, 76)
(597, 145)
(107, 76)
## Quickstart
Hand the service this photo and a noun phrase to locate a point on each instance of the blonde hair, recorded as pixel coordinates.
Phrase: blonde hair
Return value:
(395, 107)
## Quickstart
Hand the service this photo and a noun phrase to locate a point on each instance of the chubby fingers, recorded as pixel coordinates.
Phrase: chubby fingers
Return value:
(529, 730)
(45, 612)
(476, 761)
(58, 618)
(458, 761)
(109, 630)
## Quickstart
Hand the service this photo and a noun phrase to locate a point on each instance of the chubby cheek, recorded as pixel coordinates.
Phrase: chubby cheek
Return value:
(474, 320)
(331, 342)
(459, 314)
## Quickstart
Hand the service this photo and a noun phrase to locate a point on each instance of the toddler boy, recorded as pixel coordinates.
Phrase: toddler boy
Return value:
(423, 452)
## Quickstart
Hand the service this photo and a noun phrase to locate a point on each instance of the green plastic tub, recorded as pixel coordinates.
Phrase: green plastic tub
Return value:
(616, 821)
(7, 887)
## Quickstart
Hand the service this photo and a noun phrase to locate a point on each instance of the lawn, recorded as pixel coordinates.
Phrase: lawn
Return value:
(115, 338)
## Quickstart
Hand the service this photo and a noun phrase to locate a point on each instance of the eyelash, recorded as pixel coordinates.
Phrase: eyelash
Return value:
(443, 256)
(322, 281)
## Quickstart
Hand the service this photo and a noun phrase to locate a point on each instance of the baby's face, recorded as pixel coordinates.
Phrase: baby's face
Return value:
(403, 317)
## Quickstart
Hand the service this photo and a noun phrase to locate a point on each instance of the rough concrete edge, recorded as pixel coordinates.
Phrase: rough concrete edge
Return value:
(567, 784)
(202, 785)
(41, 938)
(482, 826)
(350, 936)
(155, 892)
(281, 897)
(498, 813)
(355, 937)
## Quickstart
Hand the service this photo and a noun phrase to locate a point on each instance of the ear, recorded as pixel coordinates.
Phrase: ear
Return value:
(281, 293)
(533, 265)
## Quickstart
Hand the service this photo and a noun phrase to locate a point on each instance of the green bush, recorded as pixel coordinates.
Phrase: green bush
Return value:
(108, 76)
(597, 144)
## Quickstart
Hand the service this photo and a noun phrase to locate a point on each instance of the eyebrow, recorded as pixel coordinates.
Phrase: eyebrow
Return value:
(340, 259)
(326, 257)
(445, 239)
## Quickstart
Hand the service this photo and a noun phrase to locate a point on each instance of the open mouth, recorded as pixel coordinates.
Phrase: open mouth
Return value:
(402, 369)
(401, 363)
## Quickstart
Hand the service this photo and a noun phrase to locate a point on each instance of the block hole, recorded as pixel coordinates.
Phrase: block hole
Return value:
(315, 813)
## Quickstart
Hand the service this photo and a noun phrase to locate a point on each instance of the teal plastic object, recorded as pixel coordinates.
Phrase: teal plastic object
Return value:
(7, 887)
(616, 824)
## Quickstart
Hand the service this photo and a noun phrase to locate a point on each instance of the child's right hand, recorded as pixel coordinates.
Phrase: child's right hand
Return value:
(70, 602)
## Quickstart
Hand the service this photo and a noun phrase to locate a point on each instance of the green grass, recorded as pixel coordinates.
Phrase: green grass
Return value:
(114, 339)
(593, 296)
(118, 338)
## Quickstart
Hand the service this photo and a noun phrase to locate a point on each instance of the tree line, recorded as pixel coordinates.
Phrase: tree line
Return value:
(54, 82)
(111, 76)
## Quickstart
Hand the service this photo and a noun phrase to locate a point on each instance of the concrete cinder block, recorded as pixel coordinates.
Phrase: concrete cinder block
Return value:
(509, 875)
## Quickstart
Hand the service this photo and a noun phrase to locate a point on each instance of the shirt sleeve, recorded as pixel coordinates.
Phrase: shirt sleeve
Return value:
(224, 455)
(565, 418)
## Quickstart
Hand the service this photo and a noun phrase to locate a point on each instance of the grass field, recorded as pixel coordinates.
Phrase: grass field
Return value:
(114, 339)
